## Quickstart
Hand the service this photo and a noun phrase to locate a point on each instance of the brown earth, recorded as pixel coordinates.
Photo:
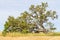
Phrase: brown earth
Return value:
(31, 38)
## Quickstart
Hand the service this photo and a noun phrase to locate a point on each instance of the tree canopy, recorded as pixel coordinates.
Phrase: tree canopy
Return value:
(34, 19)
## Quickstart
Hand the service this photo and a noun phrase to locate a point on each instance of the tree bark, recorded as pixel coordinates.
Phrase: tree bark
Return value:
(44, 30)
(41, 24)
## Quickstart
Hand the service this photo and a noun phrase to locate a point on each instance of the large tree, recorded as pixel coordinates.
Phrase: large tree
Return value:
(36, 17)
(41, 14)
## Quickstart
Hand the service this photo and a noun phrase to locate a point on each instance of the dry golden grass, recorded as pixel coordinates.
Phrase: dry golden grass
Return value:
(15, 34)
(29, 36)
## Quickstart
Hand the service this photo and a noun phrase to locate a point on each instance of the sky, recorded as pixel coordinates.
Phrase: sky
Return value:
(15, 7)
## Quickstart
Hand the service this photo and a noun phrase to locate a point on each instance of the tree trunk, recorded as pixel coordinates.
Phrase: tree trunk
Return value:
(41, 24)
(44, 30)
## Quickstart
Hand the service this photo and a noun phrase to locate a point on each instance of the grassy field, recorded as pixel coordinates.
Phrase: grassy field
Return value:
(15, 34)
(30, 36)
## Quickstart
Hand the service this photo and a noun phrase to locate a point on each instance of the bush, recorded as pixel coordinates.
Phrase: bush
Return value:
(24, 31)
(4, 33)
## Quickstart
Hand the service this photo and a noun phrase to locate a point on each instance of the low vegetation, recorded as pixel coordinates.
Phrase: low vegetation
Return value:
(17, 34)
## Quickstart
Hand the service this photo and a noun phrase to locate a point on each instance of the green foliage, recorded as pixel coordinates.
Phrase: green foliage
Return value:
(25, 31)
(41, 15)
(4, 33)
(38, 15)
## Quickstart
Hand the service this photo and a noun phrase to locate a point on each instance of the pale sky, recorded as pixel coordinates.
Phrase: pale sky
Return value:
(15, 7)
